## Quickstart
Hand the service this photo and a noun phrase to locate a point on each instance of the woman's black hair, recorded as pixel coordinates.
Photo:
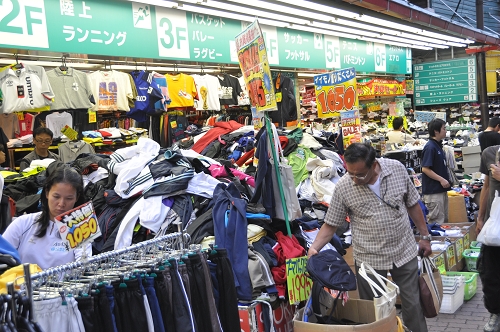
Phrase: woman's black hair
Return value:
(58, 173)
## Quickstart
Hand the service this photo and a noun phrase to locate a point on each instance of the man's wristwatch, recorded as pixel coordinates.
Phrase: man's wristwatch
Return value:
(426, 237)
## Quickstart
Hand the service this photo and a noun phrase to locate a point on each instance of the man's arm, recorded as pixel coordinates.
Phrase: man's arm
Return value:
(430, 173)
(324, 236)
(483, 199)
(415, 212)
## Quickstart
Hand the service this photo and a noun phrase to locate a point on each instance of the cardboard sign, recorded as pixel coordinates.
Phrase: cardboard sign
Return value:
(70, 132)
(79, 225)
(351, 127)
(298, 284)
(336, 92)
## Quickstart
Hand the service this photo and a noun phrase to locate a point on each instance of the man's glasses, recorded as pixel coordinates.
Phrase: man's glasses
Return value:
(47, 141)
(362, 178)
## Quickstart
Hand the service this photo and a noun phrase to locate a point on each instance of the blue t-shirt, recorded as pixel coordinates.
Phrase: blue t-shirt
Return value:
(434, 158)
(148, 93)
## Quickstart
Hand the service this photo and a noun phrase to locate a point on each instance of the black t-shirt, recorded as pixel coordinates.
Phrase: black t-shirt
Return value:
(434, 158)
(231, 89)
(488, 138)
(488, 158)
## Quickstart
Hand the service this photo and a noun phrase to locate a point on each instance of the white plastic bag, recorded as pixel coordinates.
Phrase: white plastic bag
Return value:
(490, 234)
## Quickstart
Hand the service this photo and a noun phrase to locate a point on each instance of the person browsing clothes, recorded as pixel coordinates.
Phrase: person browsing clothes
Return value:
(42, 138)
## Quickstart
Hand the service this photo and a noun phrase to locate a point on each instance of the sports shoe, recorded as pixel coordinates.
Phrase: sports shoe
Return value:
(493, 324)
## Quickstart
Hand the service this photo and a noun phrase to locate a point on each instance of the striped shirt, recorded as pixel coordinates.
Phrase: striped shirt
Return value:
(381, 231)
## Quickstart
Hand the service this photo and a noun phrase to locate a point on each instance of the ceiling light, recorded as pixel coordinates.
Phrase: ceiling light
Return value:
(376, 40)
(323, 31)
(416, 42)
(344, 29)
(445, 37)
(321, 8)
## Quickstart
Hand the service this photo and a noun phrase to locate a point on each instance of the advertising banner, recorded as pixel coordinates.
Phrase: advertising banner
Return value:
(336, 92)
(254, 64)
(298, 284)
(381, 87)
(351, 127)
(78, 226)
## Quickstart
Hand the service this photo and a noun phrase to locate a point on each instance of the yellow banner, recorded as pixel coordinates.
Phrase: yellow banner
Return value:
(351, 127)
(254, 64)
(336, 92)
(380, 87)
(299, 286)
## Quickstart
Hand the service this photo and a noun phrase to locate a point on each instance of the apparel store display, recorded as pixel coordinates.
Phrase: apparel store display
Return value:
(10, 125)
(72, 89)
(56, 121)
(112, 90)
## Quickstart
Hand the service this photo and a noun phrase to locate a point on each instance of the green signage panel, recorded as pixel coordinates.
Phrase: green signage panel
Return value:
(445, 82)
(133, 29)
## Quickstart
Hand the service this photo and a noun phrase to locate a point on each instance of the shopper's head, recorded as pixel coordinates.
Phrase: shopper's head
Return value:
(397, 123)
(360, 162)
(42, 138)
(63, 190)
(437, 129)
(494, 123)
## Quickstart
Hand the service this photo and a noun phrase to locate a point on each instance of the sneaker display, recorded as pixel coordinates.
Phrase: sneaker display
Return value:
(493, 324)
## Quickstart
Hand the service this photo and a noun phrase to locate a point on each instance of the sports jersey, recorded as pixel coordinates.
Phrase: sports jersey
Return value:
(25, 123)
(208, 88)
(181, 89)
(243, 98)
(24, 89)
(231, 89)
(111, 90)
(148, 93)
(57, 121)
(71, 89)
(161, 80)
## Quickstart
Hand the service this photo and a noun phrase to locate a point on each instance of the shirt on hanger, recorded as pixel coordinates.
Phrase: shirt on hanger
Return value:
(24, 89)
(148, 93)
(57, 121)
(71, 88)
(26, 124)
(230, 88)
(181, 89)
(243, 98)
(208, 88)
(10, 125)
(111, 90)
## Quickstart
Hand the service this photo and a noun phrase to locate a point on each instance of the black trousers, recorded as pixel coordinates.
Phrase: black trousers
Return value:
(91, 321)
(488, 266)
(105, 304)
(184, 320)
(130, 306)
(163, 288)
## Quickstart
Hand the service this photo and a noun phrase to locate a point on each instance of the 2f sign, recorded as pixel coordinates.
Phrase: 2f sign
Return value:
(23, 23)
(173, 36)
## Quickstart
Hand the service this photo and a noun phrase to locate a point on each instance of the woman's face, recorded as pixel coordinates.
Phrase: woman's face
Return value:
(61, 198)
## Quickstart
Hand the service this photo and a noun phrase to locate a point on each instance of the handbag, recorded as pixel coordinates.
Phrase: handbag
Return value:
(288, 185)
(490, 234)
(384, 291)
(431, 288)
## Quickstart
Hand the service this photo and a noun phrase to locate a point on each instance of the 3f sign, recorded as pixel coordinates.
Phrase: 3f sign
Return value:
(172, 33)
(23, 23)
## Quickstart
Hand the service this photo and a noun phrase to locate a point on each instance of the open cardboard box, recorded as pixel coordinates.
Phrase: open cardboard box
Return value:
(360, 311)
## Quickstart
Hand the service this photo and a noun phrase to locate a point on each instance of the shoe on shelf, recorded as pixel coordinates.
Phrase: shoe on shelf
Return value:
(493, 324)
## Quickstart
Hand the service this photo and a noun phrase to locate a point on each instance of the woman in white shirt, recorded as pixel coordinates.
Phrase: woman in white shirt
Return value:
(397, 136)
(35, 235)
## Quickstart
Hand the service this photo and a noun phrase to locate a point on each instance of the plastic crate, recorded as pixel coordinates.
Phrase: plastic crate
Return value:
(470, 283)
(475, 245)
(471, 261)
(451, 302)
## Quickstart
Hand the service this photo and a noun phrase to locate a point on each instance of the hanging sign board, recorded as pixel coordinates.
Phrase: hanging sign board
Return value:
(351, 127)
(335, 92)
(78, 226)
(298, 284)
(381, 87)
(445, 82)
(254, 64)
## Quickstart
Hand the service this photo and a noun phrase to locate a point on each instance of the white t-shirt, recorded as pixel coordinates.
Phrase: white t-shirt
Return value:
(208, 87)
(24, 89)
(111, 90)
(47, 251)
(57, 121)
(399, 137)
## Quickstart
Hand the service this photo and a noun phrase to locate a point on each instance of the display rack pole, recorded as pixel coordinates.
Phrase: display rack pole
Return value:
(276, 162)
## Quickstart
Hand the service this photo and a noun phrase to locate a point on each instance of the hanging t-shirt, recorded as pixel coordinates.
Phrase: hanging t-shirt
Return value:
(25, 123)
(208, 88)
(177, 125)
(10, 125)
(243, 98)
(57, 121)
(148, 93)
(24, 89)
(161, 80)
(71, 88)
(181, 89)
(111, 90)
(230, 90)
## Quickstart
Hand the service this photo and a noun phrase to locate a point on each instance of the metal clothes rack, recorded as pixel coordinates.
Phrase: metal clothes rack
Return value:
(179, 238)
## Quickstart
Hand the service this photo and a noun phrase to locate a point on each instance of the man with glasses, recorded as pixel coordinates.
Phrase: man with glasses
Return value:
(42, 138)
(378, 195)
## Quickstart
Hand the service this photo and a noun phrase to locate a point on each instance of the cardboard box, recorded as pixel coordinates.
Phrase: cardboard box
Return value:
(249, 318)
(361, 311)
(471, 149)
(283, 317)
(471, 170)
(456, 209)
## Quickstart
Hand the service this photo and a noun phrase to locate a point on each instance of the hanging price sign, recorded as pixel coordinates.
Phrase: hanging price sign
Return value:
(336, 92)
(299, 285)
(79, 225)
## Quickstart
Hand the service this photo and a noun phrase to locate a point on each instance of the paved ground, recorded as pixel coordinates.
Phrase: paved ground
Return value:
(470, 317)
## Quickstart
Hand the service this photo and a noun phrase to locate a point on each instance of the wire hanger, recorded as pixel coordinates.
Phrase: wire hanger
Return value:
(63, 66)
(18, 65)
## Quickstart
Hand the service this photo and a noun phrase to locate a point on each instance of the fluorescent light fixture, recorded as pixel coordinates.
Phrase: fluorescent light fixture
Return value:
(376, 40)
(416, 42)
(166, 69)
(308, 74)
(53, 64)
(321, 8)
(430, 40)
(445, 37)
(323, 31)
(344, 29)
(160, 3)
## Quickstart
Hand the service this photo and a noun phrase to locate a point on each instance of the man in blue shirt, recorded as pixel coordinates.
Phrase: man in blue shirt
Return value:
(435, 177)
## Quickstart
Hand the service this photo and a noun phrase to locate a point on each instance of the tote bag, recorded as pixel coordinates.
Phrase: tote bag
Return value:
(431, 288)
(490, 234)
(384, 291)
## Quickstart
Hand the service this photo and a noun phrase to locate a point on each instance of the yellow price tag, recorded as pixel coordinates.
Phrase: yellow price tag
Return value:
(442, 269)
(20, 116)
(92, 116)
(70, 132)
(279, 96)
(173, 124)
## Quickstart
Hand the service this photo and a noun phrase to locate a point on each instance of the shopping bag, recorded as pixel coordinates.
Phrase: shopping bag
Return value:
(453, 177)
(490, 234)
(431, 288)
(384, 291)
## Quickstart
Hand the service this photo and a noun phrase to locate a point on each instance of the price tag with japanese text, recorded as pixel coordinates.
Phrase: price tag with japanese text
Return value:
(298, 284)
(78, 226)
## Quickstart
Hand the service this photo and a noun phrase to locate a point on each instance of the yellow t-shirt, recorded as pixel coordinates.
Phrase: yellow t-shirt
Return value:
(182, 90)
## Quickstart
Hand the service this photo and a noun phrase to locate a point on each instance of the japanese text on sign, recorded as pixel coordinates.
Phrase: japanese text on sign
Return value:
(299, 286)
(335, 92)
(351, 127)
(78, 225)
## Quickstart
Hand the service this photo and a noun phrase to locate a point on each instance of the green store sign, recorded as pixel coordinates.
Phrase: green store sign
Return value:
(445, 82)
(133, 29)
